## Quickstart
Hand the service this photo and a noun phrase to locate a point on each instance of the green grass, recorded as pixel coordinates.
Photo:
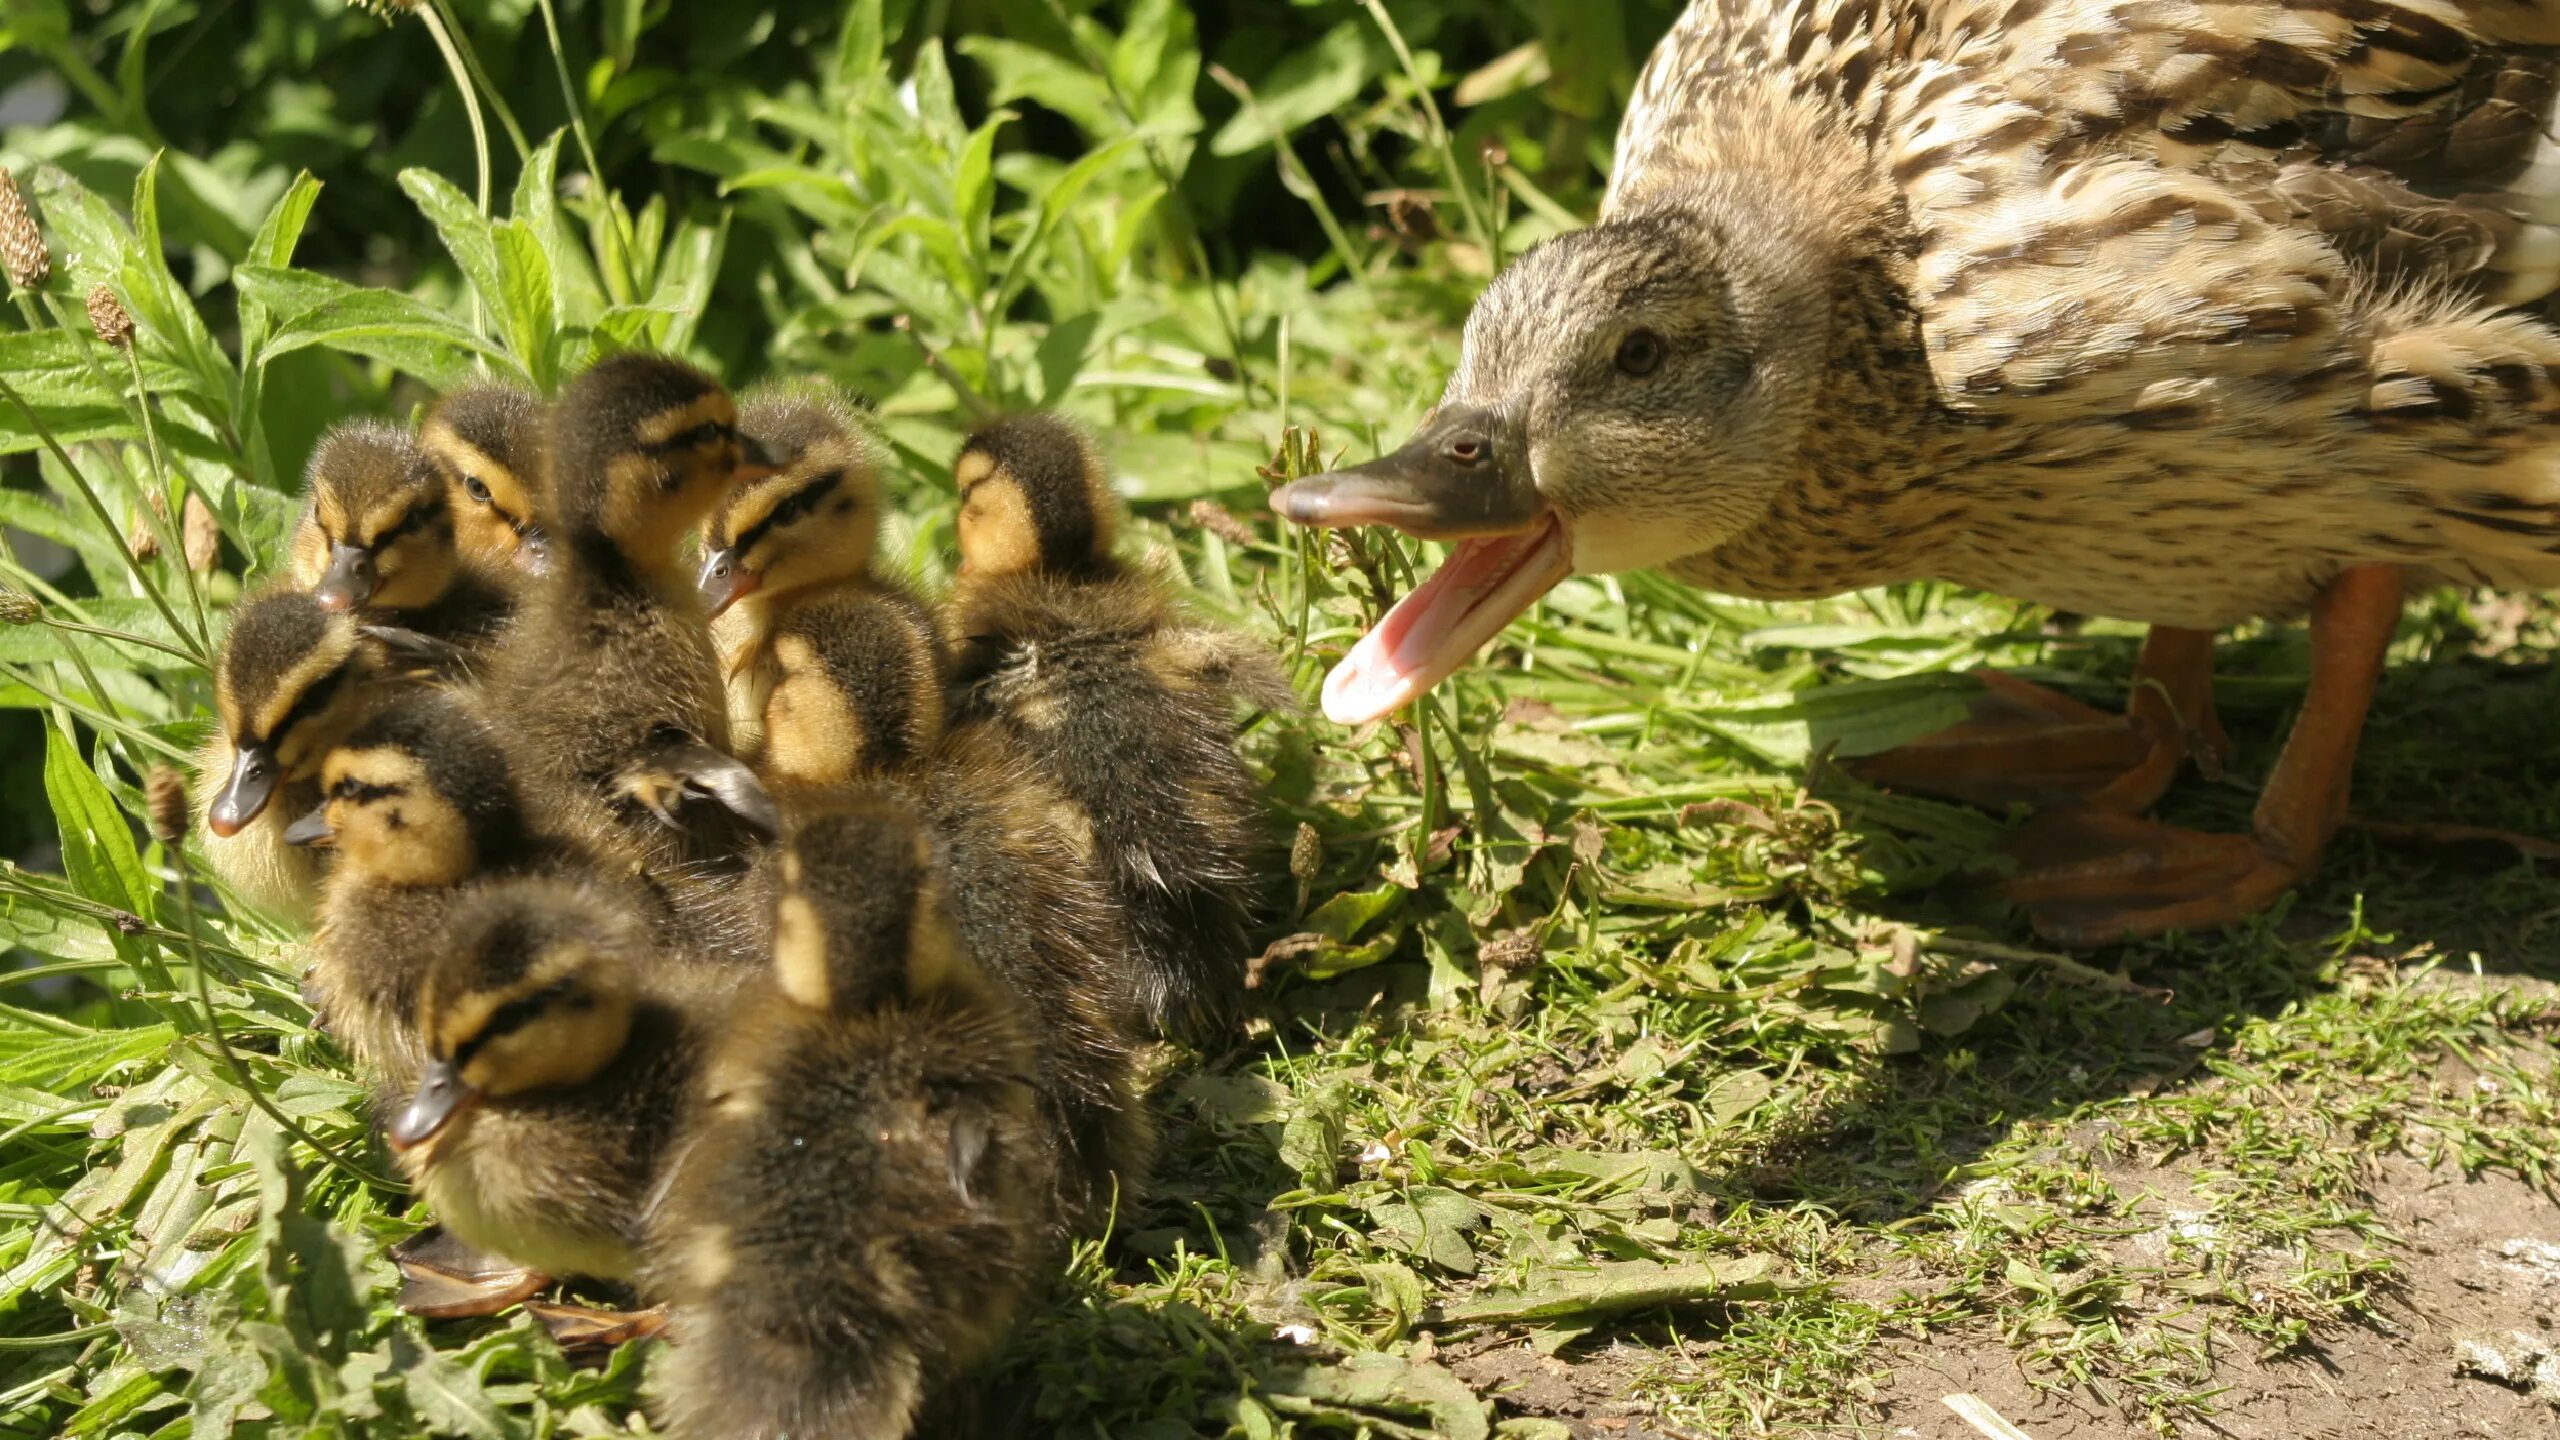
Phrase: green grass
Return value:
(1601, 1013)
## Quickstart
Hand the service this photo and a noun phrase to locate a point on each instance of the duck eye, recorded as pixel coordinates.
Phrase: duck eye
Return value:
(1640, 353)
(477, 489)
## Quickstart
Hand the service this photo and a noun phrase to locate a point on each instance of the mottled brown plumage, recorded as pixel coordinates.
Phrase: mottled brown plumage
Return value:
(378, 538)
(485, 441)
(2181, 314)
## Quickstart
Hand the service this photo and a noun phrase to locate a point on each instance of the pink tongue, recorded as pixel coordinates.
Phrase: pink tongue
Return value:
(1434, 630)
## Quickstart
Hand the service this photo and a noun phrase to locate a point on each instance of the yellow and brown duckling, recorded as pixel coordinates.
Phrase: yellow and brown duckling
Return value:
(877, 1084)
(485, 441)
(607, 678)
(293, 678)
(561, 1046)
(416, 806)
(1127, 705)
(378, 539)
(834, 672)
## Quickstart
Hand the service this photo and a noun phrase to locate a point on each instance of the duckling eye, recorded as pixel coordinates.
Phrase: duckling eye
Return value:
(1640, 353)
(477, 489)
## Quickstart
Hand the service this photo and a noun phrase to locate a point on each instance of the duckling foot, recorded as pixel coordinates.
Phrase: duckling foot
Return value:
(678, 778)
(2025, 743)
(444, 1279)
(582, 1327)
(2100, 876)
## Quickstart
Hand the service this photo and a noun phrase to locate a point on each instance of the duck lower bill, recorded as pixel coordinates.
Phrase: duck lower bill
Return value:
(1479, 589)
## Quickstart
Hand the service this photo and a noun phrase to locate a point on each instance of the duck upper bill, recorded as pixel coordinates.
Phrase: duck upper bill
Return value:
(1461, 478)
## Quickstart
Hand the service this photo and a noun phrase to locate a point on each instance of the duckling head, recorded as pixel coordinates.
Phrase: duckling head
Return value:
(534, 990)
(284, 692)
(485, 439)
(377, 534)
(859, 917)
(1034, 498)
(814, 521)
(641, 447)
(416, 796)
(1629, 395)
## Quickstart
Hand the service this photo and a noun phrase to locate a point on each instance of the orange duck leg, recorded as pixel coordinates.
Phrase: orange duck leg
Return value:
(2100, 875)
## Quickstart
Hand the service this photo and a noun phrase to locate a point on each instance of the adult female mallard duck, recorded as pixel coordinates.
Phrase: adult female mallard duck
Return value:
(2187, 315)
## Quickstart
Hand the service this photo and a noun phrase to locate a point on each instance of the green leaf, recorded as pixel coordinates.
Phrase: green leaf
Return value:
(379, 324)
(274, 245)
(576, 293)
(1430, 1222)
(1375, 1385)
(1016, 71)
(449, 1398)
(1616, 1289)
(1302, 89)
(1848, 720)
(98, 851)
(524, 305)
(1311, 1141)
(464, 230)
(860, 47)
(973, 186)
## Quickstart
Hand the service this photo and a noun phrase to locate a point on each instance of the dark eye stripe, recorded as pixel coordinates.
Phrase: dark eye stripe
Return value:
(365, 794)
(510, 1017)
(700, 435)
(311, 702)
(428, 508)
(791, 509)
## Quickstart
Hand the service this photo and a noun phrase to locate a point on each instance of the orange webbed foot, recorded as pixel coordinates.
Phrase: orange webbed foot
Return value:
(2096, 877)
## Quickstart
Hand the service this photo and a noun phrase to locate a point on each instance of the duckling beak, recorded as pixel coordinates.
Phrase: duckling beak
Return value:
(254, 772)
(533, 550)
(724, 581)
(442, 1094)
(1447, 483)
(312, 829)
(348, 582)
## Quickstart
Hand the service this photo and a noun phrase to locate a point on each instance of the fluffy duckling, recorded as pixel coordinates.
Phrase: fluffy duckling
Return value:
(834, 673)
(416, 804)
(378, 539)
(560, 1048)
(878, 1083)
(608, 678)
(293, 678)
(485, 440)
(1130, 707)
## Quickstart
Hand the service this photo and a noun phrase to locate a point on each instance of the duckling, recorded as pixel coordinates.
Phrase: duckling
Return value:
(485, 440)
(560, 1046)
(416, 805)
(292, 679)
(1126, 705)
(607, 678)
(834, 672)
(877, 1082)
(378, 539)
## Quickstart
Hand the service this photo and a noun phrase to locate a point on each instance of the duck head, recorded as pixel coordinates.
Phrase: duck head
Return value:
(286, 688)
(641, 447)
(485, 440)
(377, 534)
(417, 796)
(534, 990)
(1628, 395)
(1034, 498)
(814, 521)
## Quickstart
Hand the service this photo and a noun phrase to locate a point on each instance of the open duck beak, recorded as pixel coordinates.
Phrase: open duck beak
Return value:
(724, 581)
(254, 772)
(312, 829)
(442, 1095)
(348, 582)
(1447, 483)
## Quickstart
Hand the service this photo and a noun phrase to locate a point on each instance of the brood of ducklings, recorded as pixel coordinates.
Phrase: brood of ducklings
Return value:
(293, 678)
(485, 440)
(416, 805)
(2186, 314)
(561, 1047)
(378, 538)
(834, 673)
(867, 1191)
(1129, 707)
(607, 678)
